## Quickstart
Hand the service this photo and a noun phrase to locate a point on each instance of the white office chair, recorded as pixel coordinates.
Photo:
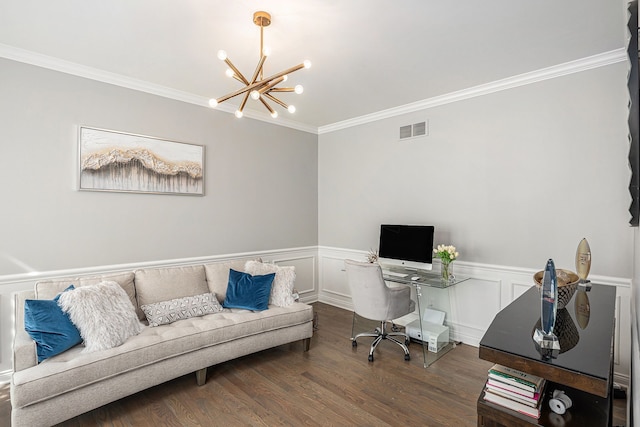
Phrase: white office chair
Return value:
(374, 300)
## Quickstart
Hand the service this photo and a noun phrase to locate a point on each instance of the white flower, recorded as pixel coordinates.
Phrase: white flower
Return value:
(446, 253)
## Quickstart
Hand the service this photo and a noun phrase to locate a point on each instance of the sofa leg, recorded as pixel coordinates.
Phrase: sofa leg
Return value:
(306, 343)
(201, 376)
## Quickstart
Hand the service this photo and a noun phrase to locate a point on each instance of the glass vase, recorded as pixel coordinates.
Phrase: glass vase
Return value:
(446, 271)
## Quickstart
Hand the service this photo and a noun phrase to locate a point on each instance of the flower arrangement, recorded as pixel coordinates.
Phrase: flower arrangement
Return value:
(447, 254)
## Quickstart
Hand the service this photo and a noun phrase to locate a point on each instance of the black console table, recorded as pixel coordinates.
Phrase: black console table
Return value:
(583, 369)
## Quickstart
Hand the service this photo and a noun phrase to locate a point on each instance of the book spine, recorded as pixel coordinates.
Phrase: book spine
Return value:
(514, 379)
(511, 381)
(514, 396)
(510, 387)
(510, 404)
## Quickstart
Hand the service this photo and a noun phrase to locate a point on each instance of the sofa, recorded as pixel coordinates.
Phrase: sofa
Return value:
(76, 381)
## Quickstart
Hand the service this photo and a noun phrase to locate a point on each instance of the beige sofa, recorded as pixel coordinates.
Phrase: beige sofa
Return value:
(75, 382)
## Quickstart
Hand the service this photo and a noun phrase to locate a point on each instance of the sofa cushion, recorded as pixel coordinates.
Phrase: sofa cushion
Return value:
(282, 287)
(102, 313)
(218, 275)
(164, 284)
(51, 328)
(73, 369)
(247, 291)
(47, 289)
(162, 313)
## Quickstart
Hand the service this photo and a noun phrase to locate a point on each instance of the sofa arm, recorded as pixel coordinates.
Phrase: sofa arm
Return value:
(24, 348)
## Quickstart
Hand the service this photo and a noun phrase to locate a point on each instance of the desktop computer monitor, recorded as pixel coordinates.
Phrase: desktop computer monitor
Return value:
(409, 246)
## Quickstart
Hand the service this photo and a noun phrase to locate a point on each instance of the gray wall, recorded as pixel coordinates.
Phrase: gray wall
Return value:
(260, 183)
(511, 178)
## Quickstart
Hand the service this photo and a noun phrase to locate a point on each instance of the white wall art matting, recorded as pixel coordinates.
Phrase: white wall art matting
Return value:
(118, 161)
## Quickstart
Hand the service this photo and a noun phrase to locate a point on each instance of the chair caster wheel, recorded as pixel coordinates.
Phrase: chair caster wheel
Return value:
(371, 358)
(407, 357)
(354, 343)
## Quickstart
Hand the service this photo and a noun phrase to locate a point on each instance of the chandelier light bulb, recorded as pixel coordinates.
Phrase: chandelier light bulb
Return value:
(222, 55)
(238, 114)
(274, 114)
(291, 109)
(229, 72)
(213, 103)
(266, 51)
(255, 95)
(307, 64)
(299, 89)
(285, 77)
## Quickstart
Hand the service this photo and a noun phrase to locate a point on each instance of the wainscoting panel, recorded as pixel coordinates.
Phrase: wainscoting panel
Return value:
(473, 304)
(334, 288)
(306, 277)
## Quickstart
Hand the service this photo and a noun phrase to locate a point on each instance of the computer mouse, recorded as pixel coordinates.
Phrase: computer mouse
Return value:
(415, 277)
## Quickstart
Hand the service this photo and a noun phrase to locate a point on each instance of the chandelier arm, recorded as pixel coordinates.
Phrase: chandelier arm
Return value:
(258, 70)
(238, 75)
(239, 92)
(276, 100)
(244, 101)
(230, 95)
(259, 83)
(283, 73)
(267, 106)
(269, 86)
(283, 89)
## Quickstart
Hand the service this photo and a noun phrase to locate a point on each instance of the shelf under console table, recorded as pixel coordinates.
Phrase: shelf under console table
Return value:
(583, 369)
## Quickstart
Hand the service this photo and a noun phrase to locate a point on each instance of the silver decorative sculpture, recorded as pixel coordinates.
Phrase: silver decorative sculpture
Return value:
(546, 341)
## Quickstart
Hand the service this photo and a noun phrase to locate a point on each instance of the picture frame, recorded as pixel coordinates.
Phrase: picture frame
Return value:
(117, 161)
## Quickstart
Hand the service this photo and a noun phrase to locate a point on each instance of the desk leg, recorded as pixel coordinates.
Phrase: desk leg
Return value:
(425, 344)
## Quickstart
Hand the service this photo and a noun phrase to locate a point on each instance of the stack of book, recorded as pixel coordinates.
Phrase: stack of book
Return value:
(515, 390)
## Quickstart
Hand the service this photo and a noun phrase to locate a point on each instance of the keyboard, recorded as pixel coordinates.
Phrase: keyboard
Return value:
(393, 273)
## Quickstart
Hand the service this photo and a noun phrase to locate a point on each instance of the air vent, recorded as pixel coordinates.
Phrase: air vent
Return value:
(419, 129)
(405, 132)
(413, 131)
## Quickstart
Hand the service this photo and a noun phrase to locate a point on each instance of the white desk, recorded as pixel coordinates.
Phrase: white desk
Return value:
(430, 292)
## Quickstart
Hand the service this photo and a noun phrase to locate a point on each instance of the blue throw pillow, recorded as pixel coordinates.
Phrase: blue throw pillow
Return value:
(50, 327)
(247, 291)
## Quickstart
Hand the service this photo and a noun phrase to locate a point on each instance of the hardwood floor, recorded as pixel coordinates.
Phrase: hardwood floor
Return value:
(332, 384)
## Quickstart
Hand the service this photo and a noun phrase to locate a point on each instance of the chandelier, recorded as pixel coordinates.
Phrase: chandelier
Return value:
(258, 87)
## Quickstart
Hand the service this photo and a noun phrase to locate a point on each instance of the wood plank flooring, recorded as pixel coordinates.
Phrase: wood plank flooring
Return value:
(331, 385)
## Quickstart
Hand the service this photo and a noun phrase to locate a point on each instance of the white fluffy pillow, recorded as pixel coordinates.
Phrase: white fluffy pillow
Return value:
(102, 313)
(282, 287)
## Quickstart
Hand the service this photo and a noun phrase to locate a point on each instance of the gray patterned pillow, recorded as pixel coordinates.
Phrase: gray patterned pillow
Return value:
(164, 312)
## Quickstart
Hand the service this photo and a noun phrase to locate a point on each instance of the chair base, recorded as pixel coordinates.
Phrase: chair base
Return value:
(381, 335)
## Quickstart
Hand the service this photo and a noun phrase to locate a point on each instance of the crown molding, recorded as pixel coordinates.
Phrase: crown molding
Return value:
(583, 64)
(56, 64)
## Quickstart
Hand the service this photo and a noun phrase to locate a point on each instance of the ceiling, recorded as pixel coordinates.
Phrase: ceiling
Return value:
(368, 55)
